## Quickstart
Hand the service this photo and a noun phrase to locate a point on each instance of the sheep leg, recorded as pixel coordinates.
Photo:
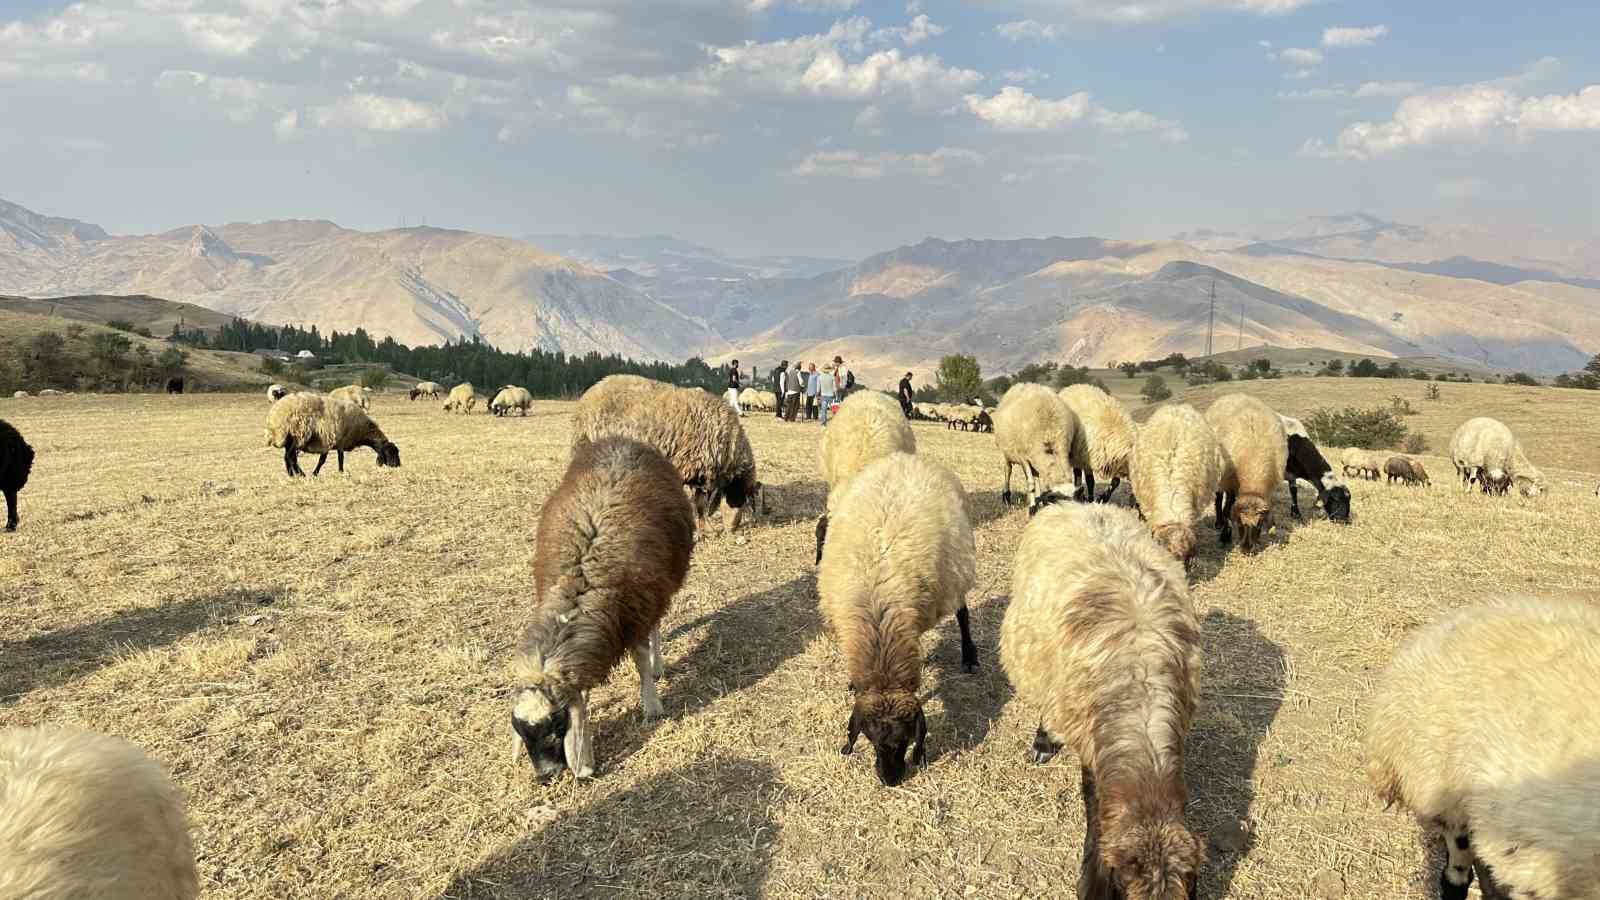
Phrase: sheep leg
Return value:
(579, 743)
(318, 470)
(644, 661)
(1088, 487)
(1116, 482)
(1092, 881)
(1005, 493)
(1490, 888)
(1456, 876)
(1225, 524)
(969, 650)
(822, 535)
(658, 662)
(1033, 484)
(1045, 747)
(1294, 501)
(11, 510)
(291, 459)
(341, 461)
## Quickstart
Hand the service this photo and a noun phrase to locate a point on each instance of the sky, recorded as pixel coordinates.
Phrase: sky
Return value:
(827, 127)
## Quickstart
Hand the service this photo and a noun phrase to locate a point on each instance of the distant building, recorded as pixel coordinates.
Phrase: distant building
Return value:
(306, 355)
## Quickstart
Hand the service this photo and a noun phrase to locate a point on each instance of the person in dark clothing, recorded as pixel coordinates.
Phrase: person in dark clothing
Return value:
(780, 377)
(906, 395)
(734, 383)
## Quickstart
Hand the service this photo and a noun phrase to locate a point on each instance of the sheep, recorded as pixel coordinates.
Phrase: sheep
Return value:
(868, 427)
(276, 392)
(1255, 454)
(1102, 638)
(509, 398)
(311, 423)
(88, 815)
(1484, 727)
(353, 393)
(49, 392)
(982, 422)
(1359, 463)
(613, 548)
(1175, 469)
(750, 398)
(1485, 451)
(698, 432)
(16, 462)
(20, 395)
(429, 389)
(462, 398)
(1293, 426)
(174, 385)
(1105, 436)
(901, 560)
(1035, 430)
(1306, 463)
(1406, 471)
(605, 398)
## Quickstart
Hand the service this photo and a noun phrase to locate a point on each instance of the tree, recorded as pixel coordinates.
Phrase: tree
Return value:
(374, 378)
(1522, 378)
(1333, 368)
(1155, 389)
(171, 361)
(1035, 373)
(1262, 365)
(1129, 369)
(1067, 376)
(959, 377)
(1594, 365)
(1364, 369)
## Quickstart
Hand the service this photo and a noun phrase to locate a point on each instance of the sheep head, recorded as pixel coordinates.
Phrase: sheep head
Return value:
(1529, 485)
(542, 722)
(1050, 461)
(894, 723)
(1178, 538)
(1336, 503)
(1252, 516)
(1157, 860)
(388, 454)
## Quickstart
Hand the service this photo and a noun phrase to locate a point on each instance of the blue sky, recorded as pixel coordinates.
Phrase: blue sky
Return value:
(802, 126)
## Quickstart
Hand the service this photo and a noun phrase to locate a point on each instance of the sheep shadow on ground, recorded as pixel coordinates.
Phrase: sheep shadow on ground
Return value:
(984, 506)
(704, 829)
(794, 501)
(740, 644)
(1242, 689)
(1211, 554)
(972, 702)
(56, 657)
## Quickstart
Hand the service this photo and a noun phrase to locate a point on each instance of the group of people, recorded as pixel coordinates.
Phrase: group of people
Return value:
(802, 390)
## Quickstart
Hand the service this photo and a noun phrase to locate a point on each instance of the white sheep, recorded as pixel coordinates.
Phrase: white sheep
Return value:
(1485, 727)
(1485, 452)
(511, 397)
(613, 548)
(311, 423)
(353, 393)
(87, 815)
(462, 398)
(429, 389)
(1105, 436)
(901, 559)
(1255, 452)
(276, 392)
(1176, 467)
(868, 426)
(1101, 637)
(1034, 429)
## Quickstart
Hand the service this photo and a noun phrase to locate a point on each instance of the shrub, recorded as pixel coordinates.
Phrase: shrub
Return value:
(1369, 429)
(1129, 369)
(1332, 368)
(120, 324)
(1155, 389)
(1066, 376)
(1365, 369)
(1431, 392)
(1416, 443)
(374, 378)
(270, 366)
(1522, 378)
(1402, 406)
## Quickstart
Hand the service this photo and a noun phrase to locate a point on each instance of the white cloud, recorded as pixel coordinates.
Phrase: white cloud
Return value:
(1149, 12)
(1465, 114)
(868, 166)
(1030, 30)
(915, 32)
(1387, 89)
(239, 100)
(371, 112)
(1025, 76)
(1015, 110)
(1300, 56)
(1265, 44)
(820, 65)
(1363, 36)
(808, 5)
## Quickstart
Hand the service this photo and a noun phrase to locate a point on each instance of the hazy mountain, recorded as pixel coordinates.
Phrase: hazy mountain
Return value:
(667, 258)
(418, 285)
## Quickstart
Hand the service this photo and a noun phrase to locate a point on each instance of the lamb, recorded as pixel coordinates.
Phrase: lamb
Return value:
(353, 393)
(698, 432)
(276, 392)
(16, 462)
(1101, 637)
(613, 548)
(1255, 453)
(868, 427)
(1358, 462)
(509, 398)
(1175, 469)
(462, 398)
(1034, 429)
(1484, 451)
(1484, 726)
(1306, 463)
(1105, 436)
(311, 423)
(90, 816)
(901, 560)
(429, 389)
(1406, 471)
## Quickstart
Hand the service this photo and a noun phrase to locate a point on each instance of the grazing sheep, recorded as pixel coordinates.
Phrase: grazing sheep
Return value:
(311, 423)
(174, 385)
(1484, 726)
(750, 398)
(429, 389)
(868, 427)
(89, 816)
(509, 398)
(1105, 436)
(1406, 471)
(982, 422)
(1485, 452)
(698, 432)
(1306, 463)
(353, 393)
(1255, 453)
(276, 392)
(49, 392)
(16, 462)
(902, 558)
(613, 548)
(1101, 638)
(1175, 469)
(1034, 429)
(462, 398)
(606, 397)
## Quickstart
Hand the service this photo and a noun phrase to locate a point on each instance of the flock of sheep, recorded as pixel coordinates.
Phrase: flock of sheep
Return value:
(1481, 725)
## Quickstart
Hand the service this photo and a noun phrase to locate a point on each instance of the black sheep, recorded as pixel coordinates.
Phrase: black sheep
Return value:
(174, 385)
(16, 461)
(1305, 463)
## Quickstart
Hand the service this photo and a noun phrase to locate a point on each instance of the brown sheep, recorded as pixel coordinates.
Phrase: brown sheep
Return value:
(1406, 470)
(613, 548)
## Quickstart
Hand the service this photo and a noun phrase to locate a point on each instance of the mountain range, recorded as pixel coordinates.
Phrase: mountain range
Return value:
(1353, 283)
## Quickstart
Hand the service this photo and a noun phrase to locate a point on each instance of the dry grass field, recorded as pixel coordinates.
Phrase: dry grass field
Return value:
(321, 662)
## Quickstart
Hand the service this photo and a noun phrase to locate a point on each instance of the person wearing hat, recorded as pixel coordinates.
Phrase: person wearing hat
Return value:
(906, 395)
(827, 391)
(844, 378)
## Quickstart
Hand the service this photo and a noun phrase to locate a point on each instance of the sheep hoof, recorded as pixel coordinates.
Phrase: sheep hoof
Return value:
(847, 749)
(653, 711)
(1005, 498)
(583, 772)
(1294, 513)
(971, 668)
